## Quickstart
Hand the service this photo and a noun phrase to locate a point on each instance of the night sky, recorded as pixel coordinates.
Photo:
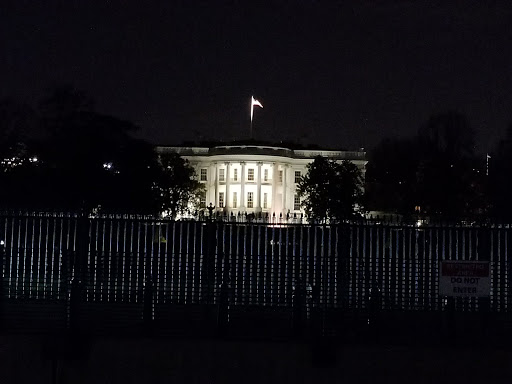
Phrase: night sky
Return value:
(339, 76)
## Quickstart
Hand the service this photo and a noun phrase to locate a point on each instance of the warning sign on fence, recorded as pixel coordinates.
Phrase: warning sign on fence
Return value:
(465, 278)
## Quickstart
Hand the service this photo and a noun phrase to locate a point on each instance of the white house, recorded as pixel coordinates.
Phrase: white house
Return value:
(255, 178)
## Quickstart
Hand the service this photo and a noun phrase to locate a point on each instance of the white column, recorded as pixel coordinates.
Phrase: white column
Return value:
(216, 185)
(227, 199)
(258, 192)
(285, 175)
(275, 175)
(242, 187)
(211, 185)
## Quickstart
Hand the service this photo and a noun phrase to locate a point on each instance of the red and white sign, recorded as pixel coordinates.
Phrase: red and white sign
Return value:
(465, 279)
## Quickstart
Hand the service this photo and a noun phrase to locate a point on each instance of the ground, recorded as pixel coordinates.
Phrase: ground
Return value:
(26, 359)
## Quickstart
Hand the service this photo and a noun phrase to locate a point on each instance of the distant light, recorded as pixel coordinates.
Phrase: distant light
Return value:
(418, 223)
(33, 159)
(2, 242)
(107, 165)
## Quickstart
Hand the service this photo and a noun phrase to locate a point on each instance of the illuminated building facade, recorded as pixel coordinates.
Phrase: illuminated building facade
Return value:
(255, 178)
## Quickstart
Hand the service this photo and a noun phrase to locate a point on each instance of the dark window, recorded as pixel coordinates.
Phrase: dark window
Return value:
(204, 173)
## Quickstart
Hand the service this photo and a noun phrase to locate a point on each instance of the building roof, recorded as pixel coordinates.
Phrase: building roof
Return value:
(250, 142)
(253, 148)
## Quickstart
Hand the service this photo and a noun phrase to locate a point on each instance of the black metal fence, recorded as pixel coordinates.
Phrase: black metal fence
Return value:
(122, 270)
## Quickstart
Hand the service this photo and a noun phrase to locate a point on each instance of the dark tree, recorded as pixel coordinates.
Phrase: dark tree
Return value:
(331, 191)
(17, 123)
(500, 181)
(448, 175)
(130, 178)
(391, 176)
(436, 170)
(448, 134)
(177, 189)
(85, 154)
(85, 159)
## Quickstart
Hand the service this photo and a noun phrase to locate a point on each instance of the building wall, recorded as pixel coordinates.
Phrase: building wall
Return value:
(238, 177)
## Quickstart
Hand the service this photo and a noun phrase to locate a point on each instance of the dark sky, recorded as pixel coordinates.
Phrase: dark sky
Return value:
(339, 76)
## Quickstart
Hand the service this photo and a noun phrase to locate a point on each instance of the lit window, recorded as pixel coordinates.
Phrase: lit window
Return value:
(204, 173)
(221, 199)
(297, 176)
(235, 199)
(250, 201)
(235, 174)
(265, 175)
(221, 175)
(280, 176)
(296, 203)
(265, 201)
(250, 174)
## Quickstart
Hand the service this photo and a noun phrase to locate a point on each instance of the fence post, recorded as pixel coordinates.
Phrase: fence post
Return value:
(147, 312)
(343, 273)
(80, 265)
(224, 307)
(74, 305)
(2, 296)
(316, 324)
(323, 347)
(450, 329)
(484, 303)
(374, 307)
(299, 306)
(210, 262)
